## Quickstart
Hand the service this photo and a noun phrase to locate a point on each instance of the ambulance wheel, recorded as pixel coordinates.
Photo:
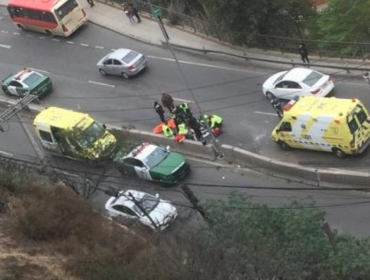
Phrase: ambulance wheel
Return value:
(284, 146)
(339, 153)
(270, 96)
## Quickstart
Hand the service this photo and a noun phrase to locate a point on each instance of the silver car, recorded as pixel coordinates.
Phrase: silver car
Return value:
(122, 62)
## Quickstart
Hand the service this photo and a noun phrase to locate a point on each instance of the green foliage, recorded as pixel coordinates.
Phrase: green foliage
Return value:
(344, 21)
(288, 242)
(246, 18)
(13, 177)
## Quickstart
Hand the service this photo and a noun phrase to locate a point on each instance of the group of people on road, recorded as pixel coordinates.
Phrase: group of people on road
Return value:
(131, 12)
(182, 124)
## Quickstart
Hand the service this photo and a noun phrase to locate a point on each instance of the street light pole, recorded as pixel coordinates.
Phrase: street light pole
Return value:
(216, 146)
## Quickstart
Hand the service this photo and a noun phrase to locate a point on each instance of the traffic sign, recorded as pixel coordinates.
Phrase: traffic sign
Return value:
(157, 12)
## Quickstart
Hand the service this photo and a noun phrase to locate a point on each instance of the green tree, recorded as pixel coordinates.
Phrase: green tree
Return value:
(258, 242)
(244, 19)
(344, 21)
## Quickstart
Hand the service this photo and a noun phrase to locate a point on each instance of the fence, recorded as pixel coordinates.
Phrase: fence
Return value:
(266, 42)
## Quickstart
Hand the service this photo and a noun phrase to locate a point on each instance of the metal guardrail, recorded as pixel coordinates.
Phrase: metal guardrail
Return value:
(246, 57)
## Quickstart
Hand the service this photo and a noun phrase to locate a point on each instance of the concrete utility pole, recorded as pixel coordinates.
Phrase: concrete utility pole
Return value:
(14, 109)
(216, 146)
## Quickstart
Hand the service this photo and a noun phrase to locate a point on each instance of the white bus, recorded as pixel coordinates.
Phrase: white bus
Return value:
(53, 17)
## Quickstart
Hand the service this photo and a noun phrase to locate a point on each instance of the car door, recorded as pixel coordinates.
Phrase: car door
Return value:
(124, 211)
(108, 66)
(142, 170)
(16, 88)
(117, 67)
(285, 90)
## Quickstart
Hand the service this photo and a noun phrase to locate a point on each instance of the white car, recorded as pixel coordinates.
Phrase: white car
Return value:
(161, 212)
(297, 82)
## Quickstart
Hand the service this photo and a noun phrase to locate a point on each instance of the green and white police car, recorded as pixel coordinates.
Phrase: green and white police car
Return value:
(27, 81)
(153, 163)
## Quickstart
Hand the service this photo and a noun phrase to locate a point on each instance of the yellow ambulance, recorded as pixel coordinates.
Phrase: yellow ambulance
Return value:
(74, 135)
(340, 126)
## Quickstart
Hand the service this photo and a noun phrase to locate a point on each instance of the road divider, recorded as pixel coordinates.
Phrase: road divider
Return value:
(233, 155)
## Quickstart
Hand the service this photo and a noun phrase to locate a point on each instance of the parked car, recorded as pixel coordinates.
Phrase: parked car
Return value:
(297, 82)
(27, 81)
(153, 163)
(122, 62)
(140, 206)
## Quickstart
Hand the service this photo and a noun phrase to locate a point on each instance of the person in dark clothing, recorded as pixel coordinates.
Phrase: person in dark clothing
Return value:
(91, 3)
(159, 110)
(276, 104)
(167, 102)
(195, 125)
(135, 12)
(303, 52)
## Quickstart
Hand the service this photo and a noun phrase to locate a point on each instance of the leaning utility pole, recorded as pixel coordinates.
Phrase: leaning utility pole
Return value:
(14, 109)
(216, 146)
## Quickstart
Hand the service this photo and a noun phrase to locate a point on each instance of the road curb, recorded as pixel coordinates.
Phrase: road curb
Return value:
(235, 155)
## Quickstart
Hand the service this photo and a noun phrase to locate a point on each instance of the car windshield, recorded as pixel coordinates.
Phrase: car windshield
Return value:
(31, 79)
(129, 57)
(88, 136)
(155, 157)
(312, 79)
(66, 8)
(148, 202)
(280, 77)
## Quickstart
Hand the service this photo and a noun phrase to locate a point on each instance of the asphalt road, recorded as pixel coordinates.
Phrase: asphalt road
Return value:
(347, 211)
(229, 88)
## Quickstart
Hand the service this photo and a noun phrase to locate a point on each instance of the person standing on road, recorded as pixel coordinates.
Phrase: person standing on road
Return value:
(135, 12)
(303, 52)
(91, 3)
(159, 109)
(167, 102)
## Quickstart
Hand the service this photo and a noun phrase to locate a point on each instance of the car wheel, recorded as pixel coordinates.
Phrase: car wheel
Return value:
(103, 72)
(284, 146)
(270, 96)
(125, 75)
(48, 32)
(339, 153)
(20, 26)
(6, 91)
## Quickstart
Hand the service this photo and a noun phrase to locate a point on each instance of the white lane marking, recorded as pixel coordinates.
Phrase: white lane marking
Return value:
(5, 46)
(4, 31)
(183, 100)
(40, 70)
(265, 113)
(29, 35)
(41, 37)
(196, 63)
(99, 47)
(112, 50)
(56, 40)
(85, 45)
(6, 154)
(70, 42)
(16, 33)
(101, 84)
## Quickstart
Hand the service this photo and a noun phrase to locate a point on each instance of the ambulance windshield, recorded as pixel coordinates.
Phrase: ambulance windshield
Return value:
(88, 136)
